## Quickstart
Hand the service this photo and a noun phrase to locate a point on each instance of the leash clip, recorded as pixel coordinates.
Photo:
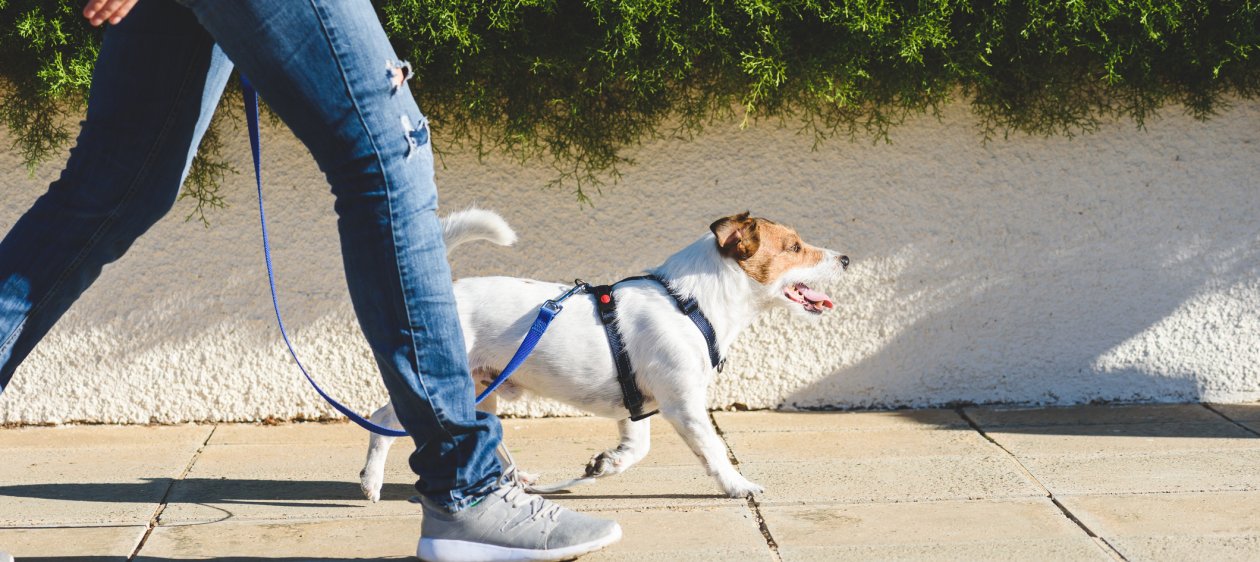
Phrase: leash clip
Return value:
(554, 304)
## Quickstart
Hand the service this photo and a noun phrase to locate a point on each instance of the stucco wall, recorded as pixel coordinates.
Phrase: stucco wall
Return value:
(1121, 265)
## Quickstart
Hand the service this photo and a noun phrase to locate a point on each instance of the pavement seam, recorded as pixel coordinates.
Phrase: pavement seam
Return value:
(157, 513)
(1102, 543)
(1229, 419)
(752, 499)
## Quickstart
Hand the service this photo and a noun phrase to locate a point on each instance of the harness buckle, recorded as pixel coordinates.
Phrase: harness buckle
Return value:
(687, 306)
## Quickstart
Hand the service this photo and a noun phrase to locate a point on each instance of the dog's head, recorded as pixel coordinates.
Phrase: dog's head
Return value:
(775, 256)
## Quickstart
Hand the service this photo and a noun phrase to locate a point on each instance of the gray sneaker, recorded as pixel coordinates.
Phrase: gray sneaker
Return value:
(509, 524)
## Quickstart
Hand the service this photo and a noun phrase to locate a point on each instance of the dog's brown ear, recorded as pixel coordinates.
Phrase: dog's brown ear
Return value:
(736, 236)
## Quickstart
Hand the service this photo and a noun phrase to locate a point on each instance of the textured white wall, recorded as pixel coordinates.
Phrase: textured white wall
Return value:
(1121, 265)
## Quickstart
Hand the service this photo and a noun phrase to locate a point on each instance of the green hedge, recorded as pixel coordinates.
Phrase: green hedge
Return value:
(575, 82)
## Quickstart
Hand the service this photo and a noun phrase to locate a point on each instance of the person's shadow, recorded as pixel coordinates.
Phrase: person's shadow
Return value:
(278, 493)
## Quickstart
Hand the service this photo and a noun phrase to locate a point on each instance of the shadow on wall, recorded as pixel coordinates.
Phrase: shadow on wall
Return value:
(1108, 281)
(1109, 320)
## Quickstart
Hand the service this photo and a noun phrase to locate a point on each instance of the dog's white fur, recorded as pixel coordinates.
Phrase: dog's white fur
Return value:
(667, 352)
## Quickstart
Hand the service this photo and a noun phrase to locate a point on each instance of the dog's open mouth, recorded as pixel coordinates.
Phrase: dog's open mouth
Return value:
(810, 300)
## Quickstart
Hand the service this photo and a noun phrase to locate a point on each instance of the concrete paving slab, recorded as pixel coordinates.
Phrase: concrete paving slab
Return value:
(1197, 526)
(282, 482)
(647, 487)
(208, 500)
(83, 436)
(93, 464)
(547, 428)
(61, 504)
(53, 477)
(820, 445)
(1028, 529)
(84, 544)
(894, 479)
(1148, 472)
(713, 533)
(392, 538)
(571, 453)
(331, 462)
(1246, 415)
(765, 421)
(992, 417)
(720, 534)
(1189, 549)
(1124, 438)
(1204, 513)
(1041, 550)
(1239, 412)
(312, 433)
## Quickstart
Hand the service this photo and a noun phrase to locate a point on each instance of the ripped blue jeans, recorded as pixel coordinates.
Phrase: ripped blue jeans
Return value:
(326, 68)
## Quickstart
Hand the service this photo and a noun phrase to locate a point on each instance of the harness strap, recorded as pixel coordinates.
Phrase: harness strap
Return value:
(631, 396)
(691, 308)
(606, 304)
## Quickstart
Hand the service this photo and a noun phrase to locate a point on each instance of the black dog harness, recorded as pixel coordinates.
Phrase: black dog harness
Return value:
(607, 305)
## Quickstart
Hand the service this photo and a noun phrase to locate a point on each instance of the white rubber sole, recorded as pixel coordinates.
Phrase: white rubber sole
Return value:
(445, 550)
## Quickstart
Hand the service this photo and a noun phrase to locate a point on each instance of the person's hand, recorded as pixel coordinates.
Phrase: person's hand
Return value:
(113, 11)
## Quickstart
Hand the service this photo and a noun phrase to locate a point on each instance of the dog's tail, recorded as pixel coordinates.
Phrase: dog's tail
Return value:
(476, 224)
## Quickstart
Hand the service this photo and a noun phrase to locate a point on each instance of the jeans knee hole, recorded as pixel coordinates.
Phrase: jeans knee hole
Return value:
(398, 72)
(417, 135)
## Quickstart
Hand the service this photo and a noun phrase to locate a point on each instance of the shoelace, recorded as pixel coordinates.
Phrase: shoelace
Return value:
(513, 490)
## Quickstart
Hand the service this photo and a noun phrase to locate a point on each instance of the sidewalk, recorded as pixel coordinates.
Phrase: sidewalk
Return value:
(1164, 482)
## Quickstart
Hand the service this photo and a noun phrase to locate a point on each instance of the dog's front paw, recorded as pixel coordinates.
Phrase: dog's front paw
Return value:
(742, 488)
(606, 463)
(370, 482)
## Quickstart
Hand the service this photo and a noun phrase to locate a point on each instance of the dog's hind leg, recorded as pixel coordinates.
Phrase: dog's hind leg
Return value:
(372, 477)
(636, 440)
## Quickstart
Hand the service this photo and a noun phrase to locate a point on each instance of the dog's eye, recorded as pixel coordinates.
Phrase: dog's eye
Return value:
(795, 247)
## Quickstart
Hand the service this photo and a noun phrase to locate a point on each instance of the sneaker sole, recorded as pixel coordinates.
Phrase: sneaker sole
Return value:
(446, 550)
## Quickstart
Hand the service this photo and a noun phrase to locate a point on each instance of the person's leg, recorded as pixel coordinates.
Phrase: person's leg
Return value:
(326, 68)
(154, 89)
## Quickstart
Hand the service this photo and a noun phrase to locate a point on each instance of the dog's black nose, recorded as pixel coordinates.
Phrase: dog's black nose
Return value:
(844, 262)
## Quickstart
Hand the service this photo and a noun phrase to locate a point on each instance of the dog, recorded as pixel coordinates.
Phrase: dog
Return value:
(741, 268)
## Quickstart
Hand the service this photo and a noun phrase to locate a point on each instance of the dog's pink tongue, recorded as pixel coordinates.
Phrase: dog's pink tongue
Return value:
(816, 297)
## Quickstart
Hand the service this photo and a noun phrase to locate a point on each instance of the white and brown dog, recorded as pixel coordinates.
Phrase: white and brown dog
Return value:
(744, 267)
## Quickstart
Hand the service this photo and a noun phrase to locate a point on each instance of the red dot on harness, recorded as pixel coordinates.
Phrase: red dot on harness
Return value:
(604, 299)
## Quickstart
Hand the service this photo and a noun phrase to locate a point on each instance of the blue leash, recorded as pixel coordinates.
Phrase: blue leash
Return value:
(546, 313)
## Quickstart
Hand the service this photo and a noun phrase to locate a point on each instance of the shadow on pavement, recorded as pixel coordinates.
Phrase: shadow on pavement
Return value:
(198, 558)
(281, 493)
